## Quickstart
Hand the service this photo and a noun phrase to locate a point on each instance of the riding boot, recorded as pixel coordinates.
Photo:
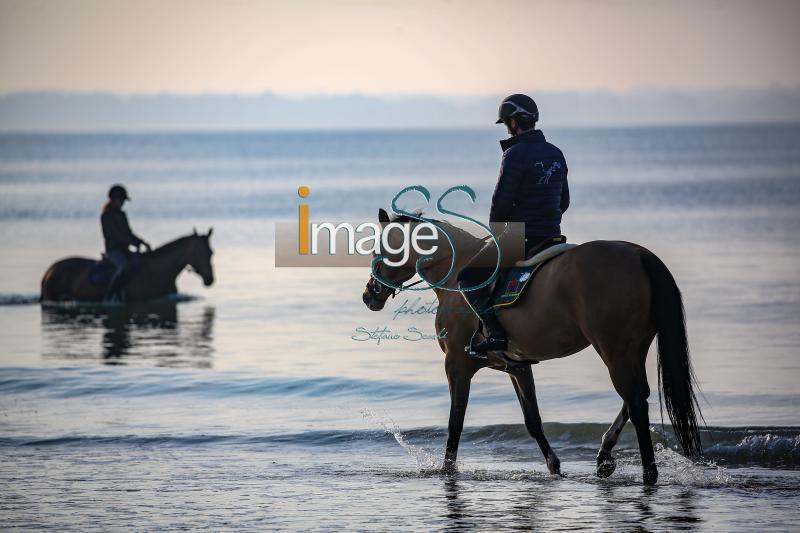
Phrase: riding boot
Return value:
(495, 339)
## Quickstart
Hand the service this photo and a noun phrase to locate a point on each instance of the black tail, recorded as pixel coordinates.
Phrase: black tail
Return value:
(676, 378)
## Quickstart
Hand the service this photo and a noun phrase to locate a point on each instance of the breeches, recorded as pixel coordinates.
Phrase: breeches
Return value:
(120, 260)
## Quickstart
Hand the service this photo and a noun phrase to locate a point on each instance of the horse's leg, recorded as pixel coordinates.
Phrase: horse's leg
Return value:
(459, 380)
(641, 421)
(522, 380)
(605, 462)
(630, 381)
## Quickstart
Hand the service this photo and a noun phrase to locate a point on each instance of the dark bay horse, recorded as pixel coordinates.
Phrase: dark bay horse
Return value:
(154, 277)
(613, 295)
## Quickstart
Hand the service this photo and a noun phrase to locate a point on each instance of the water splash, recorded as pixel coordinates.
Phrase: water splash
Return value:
(677, 469)
(425, 460)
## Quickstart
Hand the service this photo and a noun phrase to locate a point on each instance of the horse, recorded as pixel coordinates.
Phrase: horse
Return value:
(153, 277)
(613, 295)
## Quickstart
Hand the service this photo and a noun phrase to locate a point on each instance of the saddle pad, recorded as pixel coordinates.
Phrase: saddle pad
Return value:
(512, 283)
(100, 273)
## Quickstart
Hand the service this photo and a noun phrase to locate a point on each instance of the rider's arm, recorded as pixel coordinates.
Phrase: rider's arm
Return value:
(131, 237)
(511, 174)
(565, 192)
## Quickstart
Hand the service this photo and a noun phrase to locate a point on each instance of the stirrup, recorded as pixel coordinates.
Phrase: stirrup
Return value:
(488, 345)
(483, 352)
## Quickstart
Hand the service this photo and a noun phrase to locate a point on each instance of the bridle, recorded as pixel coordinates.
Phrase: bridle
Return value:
(377, 287)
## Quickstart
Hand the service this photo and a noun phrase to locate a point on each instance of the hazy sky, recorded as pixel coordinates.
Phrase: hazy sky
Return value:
(378, 47)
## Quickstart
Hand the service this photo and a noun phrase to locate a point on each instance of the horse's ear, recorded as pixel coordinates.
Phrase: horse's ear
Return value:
(383, 216)
(210, 231)
(194, 231)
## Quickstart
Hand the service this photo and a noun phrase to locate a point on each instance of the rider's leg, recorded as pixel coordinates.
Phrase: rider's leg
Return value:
(120, 260)
(479, 300)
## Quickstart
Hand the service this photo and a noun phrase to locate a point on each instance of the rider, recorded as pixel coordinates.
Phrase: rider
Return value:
(118, 239)
(532, 188)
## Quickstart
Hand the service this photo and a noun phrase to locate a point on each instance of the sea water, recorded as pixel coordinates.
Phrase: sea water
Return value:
(255, 403)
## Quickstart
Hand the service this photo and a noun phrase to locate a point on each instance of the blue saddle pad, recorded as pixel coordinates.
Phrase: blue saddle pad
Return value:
(511, 284)
(100, 273)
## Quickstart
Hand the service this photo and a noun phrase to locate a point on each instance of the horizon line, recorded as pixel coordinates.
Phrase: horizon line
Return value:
(239, 130)
(400, 95)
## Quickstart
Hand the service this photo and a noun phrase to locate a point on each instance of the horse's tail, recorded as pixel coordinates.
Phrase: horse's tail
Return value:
(676, 380)
(45, 291)
(53, 281)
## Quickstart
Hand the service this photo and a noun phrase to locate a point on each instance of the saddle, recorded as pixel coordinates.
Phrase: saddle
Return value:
(511, 283)
(102, 271)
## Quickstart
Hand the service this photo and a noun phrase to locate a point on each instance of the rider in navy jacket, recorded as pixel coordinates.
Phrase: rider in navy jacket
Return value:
(532, 188)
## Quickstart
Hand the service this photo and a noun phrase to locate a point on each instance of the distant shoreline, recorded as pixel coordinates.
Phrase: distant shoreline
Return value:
(109, 112)
(790, 123)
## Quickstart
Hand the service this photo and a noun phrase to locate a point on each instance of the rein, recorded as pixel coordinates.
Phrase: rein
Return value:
(404, 287)
(381, 287)
(395, 292)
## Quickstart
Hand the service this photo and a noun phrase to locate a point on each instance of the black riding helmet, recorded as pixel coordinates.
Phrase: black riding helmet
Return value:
(517, 104)
(118, 191)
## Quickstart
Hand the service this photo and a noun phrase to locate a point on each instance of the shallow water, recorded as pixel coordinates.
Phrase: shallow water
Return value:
(249, 405)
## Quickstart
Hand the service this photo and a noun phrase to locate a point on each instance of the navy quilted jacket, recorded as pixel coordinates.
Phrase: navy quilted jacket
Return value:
(532, 187)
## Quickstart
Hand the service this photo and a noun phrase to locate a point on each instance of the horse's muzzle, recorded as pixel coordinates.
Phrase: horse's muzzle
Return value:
(209, 281)
(373, 303)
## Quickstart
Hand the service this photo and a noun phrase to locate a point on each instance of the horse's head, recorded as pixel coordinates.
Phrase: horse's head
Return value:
(376, 293)
(200, 256)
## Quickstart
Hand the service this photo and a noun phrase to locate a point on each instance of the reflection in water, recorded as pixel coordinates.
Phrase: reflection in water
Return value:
(148, 332)
(568, 503)
(648, 507)
(457, 513)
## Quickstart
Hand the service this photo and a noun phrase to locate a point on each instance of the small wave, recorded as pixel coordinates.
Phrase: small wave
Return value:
(766, 447)
(304, 438)
(177, 297)
(76, 382)
(18, 299)
(772, 448)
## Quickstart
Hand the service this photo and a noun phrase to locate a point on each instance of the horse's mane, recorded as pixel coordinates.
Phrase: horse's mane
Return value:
(451, 229)
(170, 246)
(402, 219)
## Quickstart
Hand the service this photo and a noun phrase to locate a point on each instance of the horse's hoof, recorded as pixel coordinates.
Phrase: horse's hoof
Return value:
(605, 464)
(650, 475)
(449, 467)
(554, 465)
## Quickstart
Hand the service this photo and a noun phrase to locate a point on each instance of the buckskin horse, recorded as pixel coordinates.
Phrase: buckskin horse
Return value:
(616, 296)
(152, 278)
